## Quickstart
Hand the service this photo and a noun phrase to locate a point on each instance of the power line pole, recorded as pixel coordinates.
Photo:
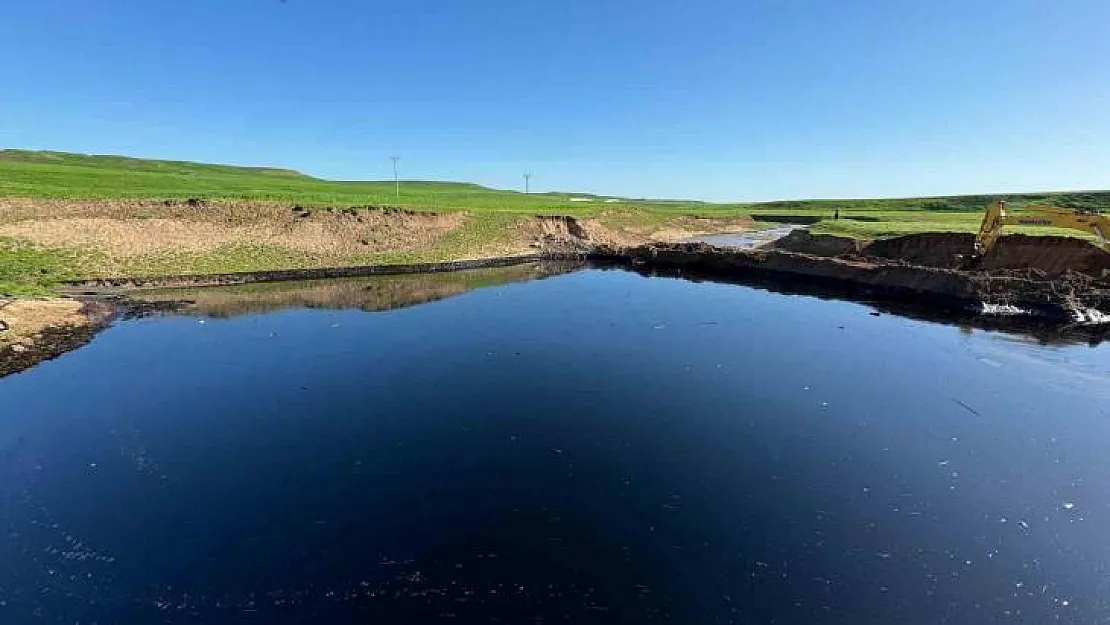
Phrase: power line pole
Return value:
(527, 183)
(396, 180)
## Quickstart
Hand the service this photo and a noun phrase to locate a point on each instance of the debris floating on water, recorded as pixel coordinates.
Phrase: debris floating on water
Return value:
(967, 408)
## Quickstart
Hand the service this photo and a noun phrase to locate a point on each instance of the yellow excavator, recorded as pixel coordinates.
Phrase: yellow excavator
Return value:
(1039, 215)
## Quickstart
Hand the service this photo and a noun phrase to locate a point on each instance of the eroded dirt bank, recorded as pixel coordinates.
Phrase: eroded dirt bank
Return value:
(110, 239)
(34, 330)
(1051, 255)
(1053, 277)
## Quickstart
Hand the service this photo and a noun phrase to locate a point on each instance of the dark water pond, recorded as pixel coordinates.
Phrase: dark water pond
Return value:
(595, 447)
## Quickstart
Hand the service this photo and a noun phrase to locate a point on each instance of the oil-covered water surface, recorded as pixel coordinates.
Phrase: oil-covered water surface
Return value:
(596, 447)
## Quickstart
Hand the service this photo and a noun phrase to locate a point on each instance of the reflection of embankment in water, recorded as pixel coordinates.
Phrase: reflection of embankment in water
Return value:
(954, 313)
(386, 292)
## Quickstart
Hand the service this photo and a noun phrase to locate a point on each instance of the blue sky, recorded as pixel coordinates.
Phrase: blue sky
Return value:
(721, 99)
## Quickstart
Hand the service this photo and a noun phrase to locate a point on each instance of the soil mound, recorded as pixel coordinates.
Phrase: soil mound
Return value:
(1051, 255)
(929, 249)
(1071, 297)
(827, 245)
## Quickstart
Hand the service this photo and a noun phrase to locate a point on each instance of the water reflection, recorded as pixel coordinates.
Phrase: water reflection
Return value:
(385, 292)
(388, 292)
(1041, 330)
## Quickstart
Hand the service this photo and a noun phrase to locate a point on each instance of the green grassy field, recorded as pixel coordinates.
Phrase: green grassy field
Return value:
(27, 270)
(57, 175)
(74, 181)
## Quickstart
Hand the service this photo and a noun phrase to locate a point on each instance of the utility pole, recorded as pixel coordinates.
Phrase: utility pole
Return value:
(396, 180)
(527, 183)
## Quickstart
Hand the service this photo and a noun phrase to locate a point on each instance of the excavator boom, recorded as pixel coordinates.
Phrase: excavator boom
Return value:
(996, 217)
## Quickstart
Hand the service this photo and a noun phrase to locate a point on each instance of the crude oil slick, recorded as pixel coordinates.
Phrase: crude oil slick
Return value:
(596, 447)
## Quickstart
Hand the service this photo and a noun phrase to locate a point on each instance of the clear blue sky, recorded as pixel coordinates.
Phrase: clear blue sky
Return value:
(714, 99)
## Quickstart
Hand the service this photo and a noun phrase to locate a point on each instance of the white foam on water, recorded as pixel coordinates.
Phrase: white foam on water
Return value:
(1002, 310)
(1090, 316)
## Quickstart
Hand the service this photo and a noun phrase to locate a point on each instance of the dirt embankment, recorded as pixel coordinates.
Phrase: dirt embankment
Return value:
(145, 228)
(817, 245)
(1050, 255)
(32, 331)
(1051, 276)
(129, 238)
(563, 235)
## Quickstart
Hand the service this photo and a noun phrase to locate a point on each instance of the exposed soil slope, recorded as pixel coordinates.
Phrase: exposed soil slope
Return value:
(816, 244)
(144, 238)
(1059, 276)
(144, 228)
(1051, 255)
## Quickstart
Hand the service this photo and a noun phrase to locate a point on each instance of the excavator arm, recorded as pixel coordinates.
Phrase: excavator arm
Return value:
(996, 217)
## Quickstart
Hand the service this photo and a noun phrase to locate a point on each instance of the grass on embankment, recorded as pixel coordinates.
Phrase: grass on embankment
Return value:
(889, 224)
(27, 270)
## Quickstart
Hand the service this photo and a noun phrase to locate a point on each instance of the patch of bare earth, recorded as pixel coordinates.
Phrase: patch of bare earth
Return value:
(687, 227)
(33, 330)
(622, 229)
(22, 319)
(138, 229)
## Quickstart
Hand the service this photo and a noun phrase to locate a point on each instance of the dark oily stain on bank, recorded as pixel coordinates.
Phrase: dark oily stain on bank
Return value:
(1067, 298)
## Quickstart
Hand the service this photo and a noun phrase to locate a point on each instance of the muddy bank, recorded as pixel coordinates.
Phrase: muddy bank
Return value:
(33, 331)
(816, 244)
(1063, 295)
(1043, 330)
(1051, 255)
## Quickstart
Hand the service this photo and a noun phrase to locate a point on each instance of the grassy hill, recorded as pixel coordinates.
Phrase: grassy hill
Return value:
(59, 175)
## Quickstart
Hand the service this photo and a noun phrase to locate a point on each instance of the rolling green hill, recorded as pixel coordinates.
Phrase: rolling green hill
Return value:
(59, 175)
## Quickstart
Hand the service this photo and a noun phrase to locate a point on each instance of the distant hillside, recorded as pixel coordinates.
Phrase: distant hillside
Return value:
(61, 175)
(1095, 200)
(138, 164)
